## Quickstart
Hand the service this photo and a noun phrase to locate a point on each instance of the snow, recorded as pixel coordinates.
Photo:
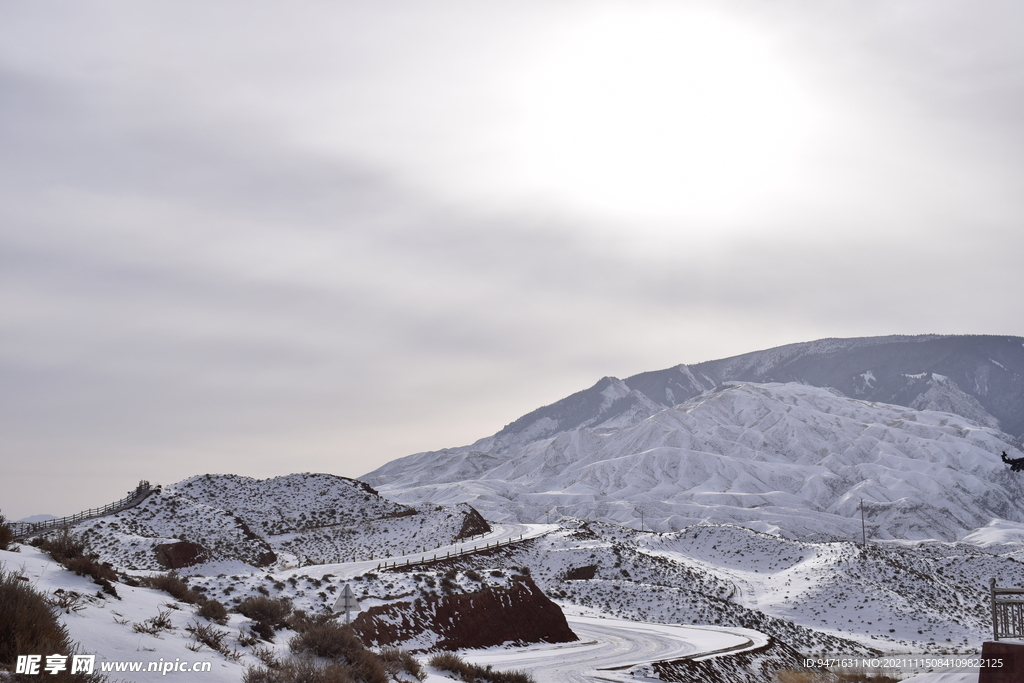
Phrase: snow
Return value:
(817, 596)
(104, 627)
(770, 456)
(609, 643)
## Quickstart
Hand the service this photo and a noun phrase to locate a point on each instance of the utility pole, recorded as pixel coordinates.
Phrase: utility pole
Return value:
(641, 520)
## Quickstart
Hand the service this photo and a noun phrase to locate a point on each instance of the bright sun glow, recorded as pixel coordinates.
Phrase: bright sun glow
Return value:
(662, 113)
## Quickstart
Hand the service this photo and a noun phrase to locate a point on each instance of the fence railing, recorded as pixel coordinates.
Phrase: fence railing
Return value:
(410, 561)
(23, 530)
(1007, 611)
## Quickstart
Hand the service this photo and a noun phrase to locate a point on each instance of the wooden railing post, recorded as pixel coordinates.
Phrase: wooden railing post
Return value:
(995, 619)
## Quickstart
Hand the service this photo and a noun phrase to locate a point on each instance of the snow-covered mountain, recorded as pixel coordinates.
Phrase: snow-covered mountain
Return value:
(978, 377)
(787, 458)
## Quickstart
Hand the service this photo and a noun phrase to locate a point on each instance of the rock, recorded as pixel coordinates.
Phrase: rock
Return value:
(180, 554)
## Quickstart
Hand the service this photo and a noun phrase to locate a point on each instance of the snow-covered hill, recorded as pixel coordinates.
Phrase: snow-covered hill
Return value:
(293, 520)
(786, 458)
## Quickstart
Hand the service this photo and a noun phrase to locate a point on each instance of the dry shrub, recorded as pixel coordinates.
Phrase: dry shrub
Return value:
(267, 656)
(263, 630)
(69, 551)
(173, 585)
(6, 533)
(398, 661)
(300, 670)
(246, 638)
(68, 601)
(215, 611)
(328, 639)
(449, 661)
(61, 547)
(471, 673)
(212, 637)
(273, 611)
(154, 625)
(333, 641)
(29, 625)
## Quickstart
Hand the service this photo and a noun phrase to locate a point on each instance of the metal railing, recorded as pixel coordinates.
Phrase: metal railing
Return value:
(1007, 611)
(23, 530)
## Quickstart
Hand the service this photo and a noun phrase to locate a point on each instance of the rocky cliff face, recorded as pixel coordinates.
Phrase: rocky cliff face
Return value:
(520, 614)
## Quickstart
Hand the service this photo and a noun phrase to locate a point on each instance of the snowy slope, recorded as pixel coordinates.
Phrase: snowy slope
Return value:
(293, 520)
(817, 597)
(108, 628)
(773, 457)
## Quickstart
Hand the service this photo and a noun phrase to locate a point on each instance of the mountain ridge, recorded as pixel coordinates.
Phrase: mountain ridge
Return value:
(595, 454)
(891, 374)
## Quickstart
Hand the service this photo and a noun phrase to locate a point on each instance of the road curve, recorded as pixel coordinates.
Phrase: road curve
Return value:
(606, 644)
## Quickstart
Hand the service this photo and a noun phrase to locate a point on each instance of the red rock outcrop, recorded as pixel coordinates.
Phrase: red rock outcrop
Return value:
(519, 614)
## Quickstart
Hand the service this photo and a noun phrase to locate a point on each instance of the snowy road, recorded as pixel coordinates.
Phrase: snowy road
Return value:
(607, 644)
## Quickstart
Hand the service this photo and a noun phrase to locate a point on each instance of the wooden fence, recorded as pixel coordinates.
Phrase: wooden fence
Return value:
(395, 565)
(23, 530)
(1007, 611)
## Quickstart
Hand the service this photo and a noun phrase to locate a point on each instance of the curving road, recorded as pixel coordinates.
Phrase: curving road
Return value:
(608, 644)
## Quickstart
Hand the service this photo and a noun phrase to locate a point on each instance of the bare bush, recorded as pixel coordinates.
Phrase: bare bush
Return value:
(330, 640)
(333, 641)
(154, 625)
(213, 610)
(173, 585)
(300, 670)
(29, 625)
(261, 608)
(246, 638)
(267, 656)
(471, 673)
(213, 638)
(69, 551)
(6, 534)
(69, 601)
(399, 661)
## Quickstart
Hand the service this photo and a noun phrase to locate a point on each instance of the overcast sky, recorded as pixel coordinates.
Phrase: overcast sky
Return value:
(261, 238)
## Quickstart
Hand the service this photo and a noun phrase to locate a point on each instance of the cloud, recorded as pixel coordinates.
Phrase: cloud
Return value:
(254, 243)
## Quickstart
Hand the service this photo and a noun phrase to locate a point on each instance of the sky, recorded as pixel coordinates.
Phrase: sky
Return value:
(260, 238)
